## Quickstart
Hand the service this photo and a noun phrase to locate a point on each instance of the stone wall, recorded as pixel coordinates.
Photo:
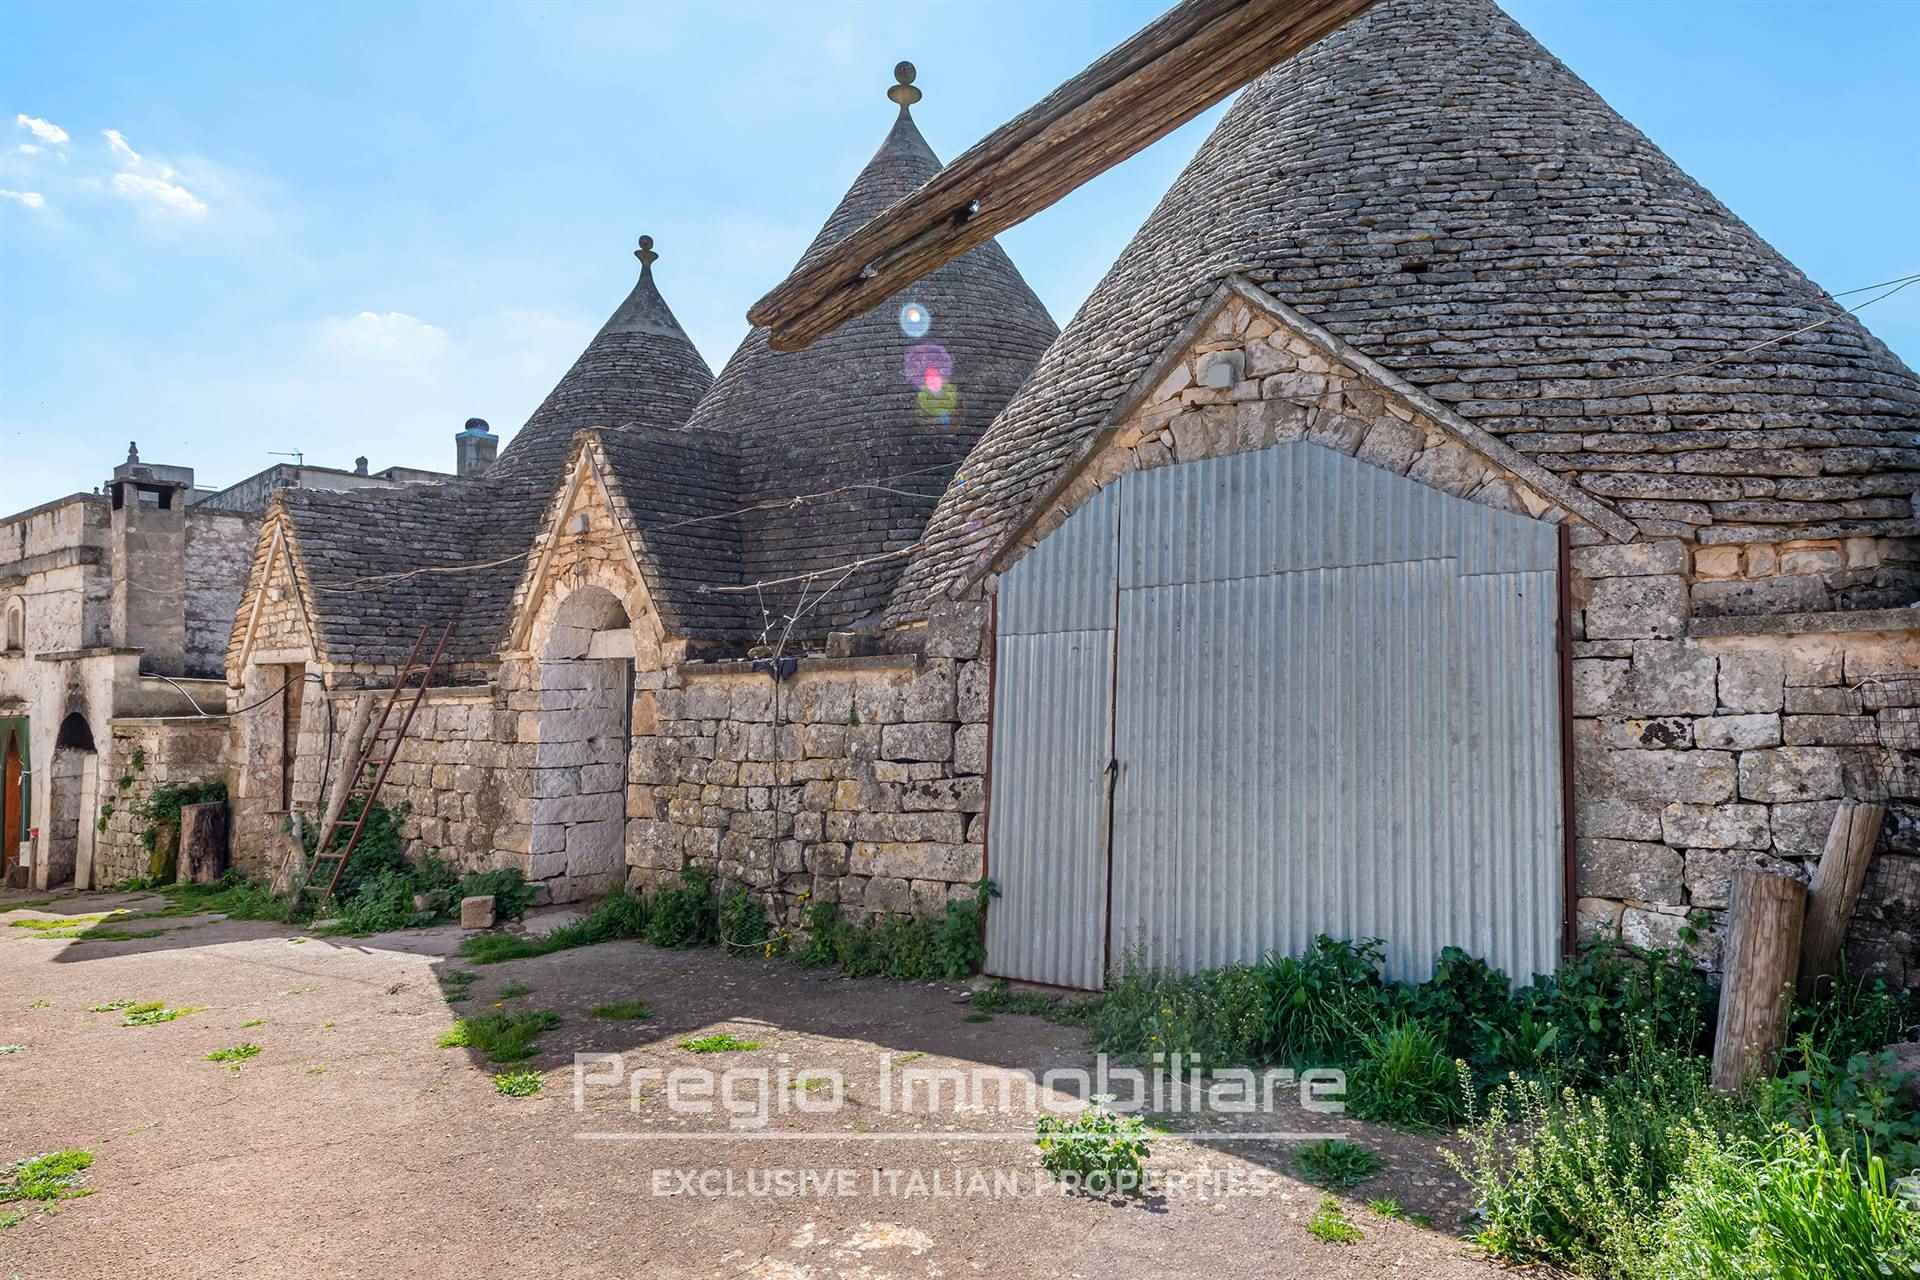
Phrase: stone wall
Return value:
(219, 551)
(856, 781)
(1697, 755)
(142, 756)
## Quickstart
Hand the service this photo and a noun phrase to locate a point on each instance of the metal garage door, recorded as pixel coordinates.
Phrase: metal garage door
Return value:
(1334, 709)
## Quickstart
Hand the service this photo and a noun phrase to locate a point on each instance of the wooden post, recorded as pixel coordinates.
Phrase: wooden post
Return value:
(352, 752)
(1836, 888)
(203, 842)
(1756, 993)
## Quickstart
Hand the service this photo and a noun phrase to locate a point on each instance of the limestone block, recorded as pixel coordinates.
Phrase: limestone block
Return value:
(1670, 677)
(701, 842)
(550, 783)
(970, 749)
(863, 744)
(1752, 681)
(1670, 732)
(1690, 777)
(951, 863)
(930, 695)
(954, 629)
(1822, 702)
(1809, 662)
(886, 893)
(1598, 685)
(966, 795)
(1831, 731)
(1800, 827)
(1618, 819)
(829, 859)
(1728, 826)
(1717, 562)
(594, 847)
(1391, 444)
(1631, 560)
(707, 700)
(1737, 733)
(877, 701)
(477, 912)
(1626, 869)
(751, 701)
(1791, 774)
(917, 742)
(1808, 559)
(1450, 467)
(974, 688)
(1652, 930)
(1710, 873)
(1597, 919)
(1637, 607)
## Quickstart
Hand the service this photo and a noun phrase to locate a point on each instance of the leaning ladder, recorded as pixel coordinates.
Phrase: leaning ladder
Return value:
(318, 869)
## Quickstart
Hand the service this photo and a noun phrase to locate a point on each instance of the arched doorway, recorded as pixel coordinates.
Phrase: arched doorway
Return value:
(580, 763)
(72, 794)
(12, 809)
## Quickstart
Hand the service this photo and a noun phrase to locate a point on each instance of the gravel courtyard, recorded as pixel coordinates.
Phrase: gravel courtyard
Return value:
(352, 1145)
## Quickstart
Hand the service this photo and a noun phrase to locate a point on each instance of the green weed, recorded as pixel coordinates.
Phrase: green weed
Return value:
(623, 1011)
(1404, 1077)
(253, 1022)
(1098, 1151)
(58, 1175)
(514, 990)
(719, 1043)
(1387, 1207)
(501, 1037)
(235, 1054)
(1336, 1163)
(517, 1084)
(12, 1048)
(153, 1012)
(1329, 1224)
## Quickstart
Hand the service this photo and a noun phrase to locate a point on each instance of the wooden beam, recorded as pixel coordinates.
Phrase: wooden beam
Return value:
(1836, 886)
(1185, 61)
(1756, 992)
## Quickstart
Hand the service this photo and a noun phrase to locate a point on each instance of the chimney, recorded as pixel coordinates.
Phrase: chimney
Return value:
(359, 466)
(149, 533)
(474, 448)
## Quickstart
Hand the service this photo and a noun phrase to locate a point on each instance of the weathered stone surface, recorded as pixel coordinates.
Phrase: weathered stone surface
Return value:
(1623, 869)
(1800, 828)
(1831, 731)
(1737, 733)
(1637, 608)
(1688, 777)
(1739, 598)
(1599, 685)
(477, 912)
(1810, 662)
(1727, 826)
(1752, 681)
(1653, 930)
(917, 742)
(1790, 773)
(954, 629)
(974, 687)
(1636, 559)
(970, 749)
(1671, 677)
(951, 863)
(1710, 873)
(1822, 701)
(930, 694)
(1612, 817)
(1597, 919)
(1668, 732)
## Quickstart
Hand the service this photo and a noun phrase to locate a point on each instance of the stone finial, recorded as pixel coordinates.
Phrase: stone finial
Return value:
(646, 254)
(133, 452)
(903, 92)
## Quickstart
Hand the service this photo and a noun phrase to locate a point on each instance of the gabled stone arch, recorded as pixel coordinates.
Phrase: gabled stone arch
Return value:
(1248, 373)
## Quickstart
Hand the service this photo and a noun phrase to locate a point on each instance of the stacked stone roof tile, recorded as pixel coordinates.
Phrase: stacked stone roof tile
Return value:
(1435, 188)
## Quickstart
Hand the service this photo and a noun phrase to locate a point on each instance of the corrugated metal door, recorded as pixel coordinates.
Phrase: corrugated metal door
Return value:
(1334, 709)
(1052, 743)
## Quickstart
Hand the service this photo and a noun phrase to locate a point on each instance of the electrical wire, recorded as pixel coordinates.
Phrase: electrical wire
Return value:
(326, 768)
(1897, 285)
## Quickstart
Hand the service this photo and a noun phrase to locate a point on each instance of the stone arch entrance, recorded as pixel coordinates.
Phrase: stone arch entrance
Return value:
(585, 681)
(72, 796)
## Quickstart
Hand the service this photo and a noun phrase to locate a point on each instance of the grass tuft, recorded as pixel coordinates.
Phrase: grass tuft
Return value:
(235, 1054)
(514, 990)
(623, 1011)
(720, 1043)
(1336, 1163)
(152, 1012)
(517, 1084)
(1329, 1224)
(55, 1176)
(501, 1037)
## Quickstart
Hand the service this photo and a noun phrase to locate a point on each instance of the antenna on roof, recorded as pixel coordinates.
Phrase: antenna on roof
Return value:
(646, 255)
(904, 93)
(299, 458)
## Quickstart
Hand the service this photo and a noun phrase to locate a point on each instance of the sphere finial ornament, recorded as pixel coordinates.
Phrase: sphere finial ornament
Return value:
(646, 254)
(903, 92)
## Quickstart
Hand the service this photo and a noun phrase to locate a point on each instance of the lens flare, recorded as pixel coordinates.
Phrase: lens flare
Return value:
(915, 320)
(926, 358)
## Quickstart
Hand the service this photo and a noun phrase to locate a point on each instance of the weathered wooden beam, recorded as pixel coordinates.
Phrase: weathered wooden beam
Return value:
(1836, 888)
(1185, 61)
(1756, 994)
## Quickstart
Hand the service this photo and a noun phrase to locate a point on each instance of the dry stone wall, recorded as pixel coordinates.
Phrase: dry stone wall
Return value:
(143, 756)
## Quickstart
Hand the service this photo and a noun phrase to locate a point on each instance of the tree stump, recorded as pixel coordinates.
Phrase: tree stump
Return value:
(1836, 888)
(1756, 994)
(203, 842)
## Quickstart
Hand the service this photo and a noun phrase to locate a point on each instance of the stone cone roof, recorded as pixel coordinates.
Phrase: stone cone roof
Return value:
(640, 374)
(1434, 187)
(843, 410)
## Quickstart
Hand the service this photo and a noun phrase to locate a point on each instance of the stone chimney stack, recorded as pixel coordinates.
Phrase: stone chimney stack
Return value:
(150, 561)
(474, 448)
(359, 466)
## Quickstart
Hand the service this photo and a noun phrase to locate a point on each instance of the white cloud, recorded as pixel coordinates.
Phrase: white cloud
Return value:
(31, 199)
(383, 337)
(45, 130)
(149, 182)
(28, 149)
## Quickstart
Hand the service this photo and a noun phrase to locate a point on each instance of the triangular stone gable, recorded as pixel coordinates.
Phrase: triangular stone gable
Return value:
(589, 538)
(1248, 372)
(275, 613)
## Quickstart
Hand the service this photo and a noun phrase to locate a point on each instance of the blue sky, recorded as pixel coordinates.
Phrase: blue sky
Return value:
(228, 229)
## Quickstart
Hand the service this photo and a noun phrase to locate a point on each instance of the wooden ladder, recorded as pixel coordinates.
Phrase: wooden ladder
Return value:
(327, 866)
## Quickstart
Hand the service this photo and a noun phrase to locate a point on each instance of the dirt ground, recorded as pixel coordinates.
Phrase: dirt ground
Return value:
(353, 1146)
